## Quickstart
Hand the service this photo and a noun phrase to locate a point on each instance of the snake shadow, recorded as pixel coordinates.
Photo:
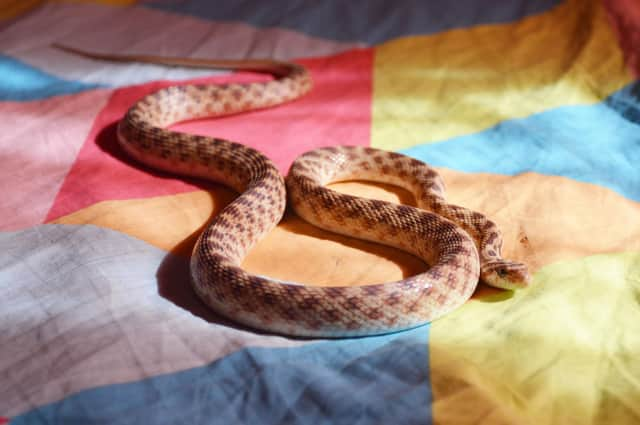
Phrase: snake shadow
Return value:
(107, 141)
(173, 275)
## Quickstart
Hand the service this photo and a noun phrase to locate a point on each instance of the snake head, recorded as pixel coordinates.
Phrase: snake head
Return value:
(506, 275)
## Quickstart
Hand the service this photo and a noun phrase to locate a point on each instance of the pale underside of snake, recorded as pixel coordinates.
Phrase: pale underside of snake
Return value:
(460, 246)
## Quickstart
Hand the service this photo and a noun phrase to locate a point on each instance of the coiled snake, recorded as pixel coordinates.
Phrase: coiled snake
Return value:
(460, 245)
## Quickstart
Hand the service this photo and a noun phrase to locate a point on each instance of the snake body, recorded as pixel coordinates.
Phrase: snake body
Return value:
(460, 245)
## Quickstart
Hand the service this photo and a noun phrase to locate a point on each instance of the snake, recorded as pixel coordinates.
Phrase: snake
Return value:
(461, 247)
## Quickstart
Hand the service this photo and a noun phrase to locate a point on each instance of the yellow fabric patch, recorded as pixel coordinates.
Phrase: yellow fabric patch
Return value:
(13, 8)
(563, 352)
(108, 2)
(433, 87)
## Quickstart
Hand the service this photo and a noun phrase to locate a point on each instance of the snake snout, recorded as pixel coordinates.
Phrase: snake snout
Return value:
(506, 275)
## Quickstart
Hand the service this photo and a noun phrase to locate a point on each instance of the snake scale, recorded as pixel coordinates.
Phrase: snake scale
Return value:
(459, 245)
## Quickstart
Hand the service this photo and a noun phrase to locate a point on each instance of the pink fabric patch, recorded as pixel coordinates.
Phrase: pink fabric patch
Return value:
(337, 111)
(39, 143)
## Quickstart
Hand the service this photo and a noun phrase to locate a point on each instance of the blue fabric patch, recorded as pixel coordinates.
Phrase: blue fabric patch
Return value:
(597, 144)
(22, 82)
(370, 21)
(381, 379)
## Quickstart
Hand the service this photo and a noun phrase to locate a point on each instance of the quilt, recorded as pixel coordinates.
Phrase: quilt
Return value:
(529, 109)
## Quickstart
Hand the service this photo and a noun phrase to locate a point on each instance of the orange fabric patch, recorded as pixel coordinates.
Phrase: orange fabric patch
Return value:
(544, 219)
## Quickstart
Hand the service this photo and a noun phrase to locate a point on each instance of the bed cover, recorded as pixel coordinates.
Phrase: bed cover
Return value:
(529, 109)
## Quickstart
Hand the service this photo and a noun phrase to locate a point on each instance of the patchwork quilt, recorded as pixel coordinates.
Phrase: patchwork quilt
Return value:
(529, 109)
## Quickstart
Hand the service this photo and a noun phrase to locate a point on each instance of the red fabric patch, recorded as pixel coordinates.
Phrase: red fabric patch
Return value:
(336, 112)
(626, 18)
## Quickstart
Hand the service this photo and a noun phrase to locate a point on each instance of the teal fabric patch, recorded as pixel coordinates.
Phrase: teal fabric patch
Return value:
(597, 144)
(361, 381)
(22, 82)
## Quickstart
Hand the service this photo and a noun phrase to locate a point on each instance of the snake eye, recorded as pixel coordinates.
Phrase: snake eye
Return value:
(502, 272)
